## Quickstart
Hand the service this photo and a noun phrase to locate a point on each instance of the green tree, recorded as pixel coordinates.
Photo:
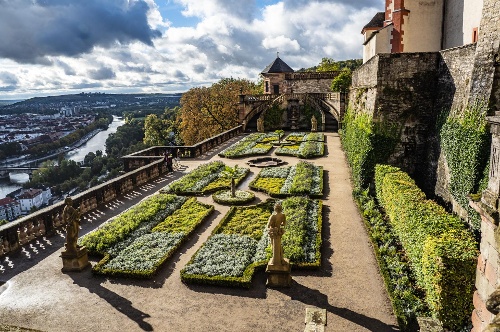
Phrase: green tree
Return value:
(327, 64)
(231, 173)
(343, 81)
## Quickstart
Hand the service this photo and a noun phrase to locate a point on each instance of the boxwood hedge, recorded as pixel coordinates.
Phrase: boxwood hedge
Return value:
(441, 252)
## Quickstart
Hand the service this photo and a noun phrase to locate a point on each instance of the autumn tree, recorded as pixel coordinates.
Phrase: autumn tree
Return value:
(208, 111)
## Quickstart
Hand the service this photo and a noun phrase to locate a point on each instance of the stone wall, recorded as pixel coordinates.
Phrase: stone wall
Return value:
(488, 46)
(400, 89)
(411, 90)
(453, 85)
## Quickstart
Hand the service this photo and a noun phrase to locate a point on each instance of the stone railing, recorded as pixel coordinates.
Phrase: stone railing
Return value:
(144, 157)
(311, 75)
(143, 166)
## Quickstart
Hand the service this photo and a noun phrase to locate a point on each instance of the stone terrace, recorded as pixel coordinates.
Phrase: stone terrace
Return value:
(35, 294)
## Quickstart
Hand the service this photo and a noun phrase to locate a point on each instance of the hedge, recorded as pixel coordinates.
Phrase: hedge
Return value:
(442, 254)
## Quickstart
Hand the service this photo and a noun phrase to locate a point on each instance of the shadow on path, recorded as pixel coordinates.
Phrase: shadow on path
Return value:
(315, 298)
(118, 302)
(257, 290)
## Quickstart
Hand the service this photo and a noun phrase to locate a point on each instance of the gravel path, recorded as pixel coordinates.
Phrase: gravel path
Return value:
(349, 286)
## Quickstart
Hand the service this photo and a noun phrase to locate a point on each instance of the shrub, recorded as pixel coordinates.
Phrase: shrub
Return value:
(434, 241)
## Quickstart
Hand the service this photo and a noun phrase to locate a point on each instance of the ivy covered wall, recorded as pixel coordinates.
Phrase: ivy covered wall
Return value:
(408, 110)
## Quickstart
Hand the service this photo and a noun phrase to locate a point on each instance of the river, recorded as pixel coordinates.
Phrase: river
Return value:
(95, 143)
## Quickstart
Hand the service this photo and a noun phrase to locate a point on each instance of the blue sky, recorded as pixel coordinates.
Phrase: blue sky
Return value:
(50, 47)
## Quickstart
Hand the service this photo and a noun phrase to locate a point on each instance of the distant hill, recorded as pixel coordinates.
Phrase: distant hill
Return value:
(9, 102)
(89, 101)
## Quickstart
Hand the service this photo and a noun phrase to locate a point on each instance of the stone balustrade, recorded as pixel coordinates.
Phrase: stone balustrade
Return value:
(141, 167)
(146, 156)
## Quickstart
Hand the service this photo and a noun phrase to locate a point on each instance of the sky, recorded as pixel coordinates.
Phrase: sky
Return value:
(54, 47)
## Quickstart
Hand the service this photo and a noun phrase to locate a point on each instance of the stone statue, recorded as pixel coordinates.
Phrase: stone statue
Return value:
(276, 224)
(260, 124)
(314, 124)
(71, 217)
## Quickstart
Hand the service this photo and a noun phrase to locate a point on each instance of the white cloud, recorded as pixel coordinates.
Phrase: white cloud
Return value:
(280, 43)
(230, 38)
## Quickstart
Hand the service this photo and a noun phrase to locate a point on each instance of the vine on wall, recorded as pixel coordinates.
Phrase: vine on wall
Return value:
(465, 143)
(307, 112)
(273, 117)
(366, 143)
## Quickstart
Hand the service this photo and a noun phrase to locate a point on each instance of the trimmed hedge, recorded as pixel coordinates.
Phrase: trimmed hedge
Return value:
(441, 252)
(407, 300)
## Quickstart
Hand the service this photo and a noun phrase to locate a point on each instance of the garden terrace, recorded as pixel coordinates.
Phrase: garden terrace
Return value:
(206, 178)
(31, 276)
(240, 243)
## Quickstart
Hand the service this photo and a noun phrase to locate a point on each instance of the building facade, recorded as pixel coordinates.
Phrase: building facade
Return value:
(422, 26)
(10, 209)
(31, 198)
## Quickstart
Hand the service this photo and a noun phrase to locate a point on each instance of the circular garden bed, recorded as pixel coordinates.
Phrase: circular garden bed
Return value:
(266, 162)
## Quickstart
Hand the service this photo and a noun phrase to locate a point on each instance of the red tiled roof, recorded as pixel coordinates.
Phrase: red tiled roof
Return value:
(30, 193)
(6, 201)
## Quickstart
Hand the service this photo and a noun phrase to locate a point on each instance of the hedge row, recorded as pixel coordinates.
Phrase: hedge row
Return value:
(441, 252)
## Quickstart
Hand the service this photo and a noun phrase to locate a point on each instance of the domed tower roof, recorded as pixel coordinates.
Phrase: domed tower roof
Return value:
(278, 66)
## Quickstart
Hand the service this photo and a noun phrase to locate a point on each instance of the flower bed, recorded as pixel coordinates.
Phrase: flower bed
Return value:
(204, 179)
(252, 145)
(303, 179)
(241, 197)
(146, 248)
(304, 137)
(139, 219)
(240, 243)
(308, 145)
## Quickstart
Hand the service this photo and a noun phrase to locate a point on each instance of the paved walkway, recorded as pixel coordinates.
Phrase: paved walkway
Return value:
(349, 286)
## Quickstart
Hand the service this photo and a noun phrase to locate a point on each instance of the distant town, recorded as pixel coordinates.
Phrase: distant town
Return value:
(45, 120)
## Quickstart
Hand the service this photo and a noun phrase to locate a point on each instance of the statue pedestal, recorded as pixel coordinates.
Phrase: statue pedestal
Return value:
(75, 262)
(279, 275)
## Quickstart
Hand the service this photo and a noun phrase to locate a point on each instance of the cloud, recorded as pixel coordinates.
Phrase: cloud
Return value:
(115, 46)
(103, 73)
(8, 82)
(32, 30)
(280, 43)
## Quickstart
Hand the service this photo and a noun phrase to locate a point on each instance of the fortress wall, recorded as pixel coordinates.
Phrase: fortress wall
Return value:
(315, 85)
(400, 89)
(453, 85)
(488, 46)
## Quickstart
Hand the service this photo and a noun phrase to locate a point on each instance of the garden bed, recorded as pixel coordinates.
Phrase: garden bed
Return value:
(139, 241)
(206, 178)
(307, 145)
(303, 179)
(253, 145)
(240, 243)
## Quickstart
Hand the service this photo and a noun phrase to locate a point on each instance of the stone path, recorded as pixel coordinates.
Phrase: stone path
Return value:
(348, 285)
